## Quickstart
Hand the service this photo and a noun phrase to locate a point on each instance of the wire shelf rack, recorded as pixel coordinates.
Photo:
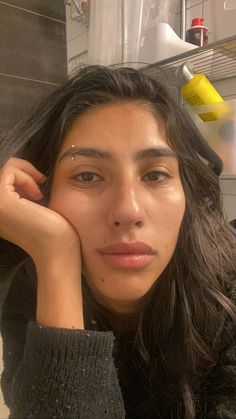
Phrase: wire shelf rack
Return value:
(217, 61)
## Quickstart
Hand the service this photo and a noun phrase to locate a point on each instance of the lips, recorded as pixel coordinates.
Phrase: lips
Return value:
(121, 248)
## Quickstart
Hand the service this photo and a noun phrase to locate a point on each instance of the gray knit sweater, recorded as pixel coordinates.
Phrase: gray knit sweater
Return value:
(77, 374)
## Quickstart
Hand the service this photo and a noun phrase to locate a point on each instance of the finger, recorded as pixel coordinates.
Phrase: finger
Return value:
(12, 176)
(23, 194)
(27, 167)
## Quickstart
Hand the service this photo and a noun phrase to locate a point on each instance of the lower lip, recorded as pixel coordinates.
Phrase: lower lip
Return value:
(128, 260)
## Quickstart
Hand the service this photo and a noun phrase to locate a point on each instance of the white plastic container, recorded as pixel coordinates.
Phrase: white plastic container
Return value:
(161, 42)
(221, 133)
(133, 31)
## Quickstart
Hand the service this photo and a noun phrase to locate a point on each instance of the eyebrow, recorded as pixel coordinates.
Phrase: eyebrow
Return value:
(97, 153)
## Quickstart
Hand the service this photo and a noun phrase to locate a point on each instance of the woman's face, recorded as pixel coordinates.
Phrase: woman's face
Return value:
(123, 186)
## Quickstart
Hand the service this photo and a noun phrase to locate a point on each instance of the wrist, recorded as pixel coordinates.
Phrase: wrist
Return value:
(55, 253)
(59, 293)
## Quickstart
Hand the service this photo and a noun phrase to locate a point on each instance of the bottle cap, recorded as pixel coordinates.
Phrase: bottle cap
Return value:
(197, 21)
(185, 72)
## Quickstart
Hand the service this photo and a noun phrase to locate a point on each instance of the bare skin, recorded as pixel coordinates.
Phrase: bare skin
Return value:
(48, 238)
(133, 193)
(96, 202)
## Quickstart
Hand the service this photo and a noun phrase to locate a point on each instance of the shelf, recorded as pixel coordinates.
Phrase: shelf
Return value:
(217, 61)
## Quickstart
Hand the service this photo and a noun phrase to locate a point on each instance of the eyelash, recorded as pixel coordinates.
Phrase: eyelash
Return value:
(94, 174)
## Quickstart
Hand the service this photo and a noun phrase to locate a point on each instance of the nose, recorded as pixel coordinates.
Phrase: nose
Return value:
(126, 210)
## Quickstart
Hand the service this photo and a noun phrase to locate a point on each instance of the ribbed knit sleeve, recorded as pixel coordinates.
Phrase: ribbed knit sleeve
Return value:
(66, 374)
(55, 372)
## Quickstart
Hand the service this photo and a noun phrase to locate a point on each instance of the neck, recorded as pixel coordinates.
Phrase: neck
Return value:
(119, 316)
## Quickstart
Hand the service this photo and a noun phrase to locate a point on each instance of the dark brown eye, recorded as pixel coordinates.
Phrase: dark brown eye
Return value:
(156, 176)
(86, 177)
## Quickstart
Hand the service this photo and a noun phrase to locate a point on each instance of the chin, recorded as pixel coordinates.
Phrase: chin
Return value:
(121, 290)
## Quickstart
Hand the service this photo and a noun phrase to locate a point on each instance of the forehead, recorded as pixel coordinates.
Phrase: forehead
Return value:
(117, 126)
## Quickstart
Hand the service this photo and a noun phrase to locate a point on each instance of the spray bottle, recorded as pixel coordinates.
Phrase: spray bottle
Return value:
(198, 33)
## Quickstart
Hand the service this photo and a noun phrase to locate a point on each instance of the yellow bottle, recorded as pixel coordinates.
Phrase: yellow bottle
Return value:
(199, 91)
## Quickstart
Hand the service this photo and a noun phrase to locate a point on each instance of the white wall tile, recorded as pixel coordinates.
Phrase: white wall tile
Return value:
(227, 88)
(228, 186)
(77, 45)
(208, 19)
(177, 24)
(74, 28)
(230, 206)
(67, 12)
(192, 3)
(178, 7)
(224, 21)
(77, 61)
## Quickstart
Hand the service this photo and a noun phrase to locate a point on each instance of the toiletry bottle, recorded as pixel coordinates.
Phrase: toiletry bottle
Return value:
(198, 90)
(198, 33)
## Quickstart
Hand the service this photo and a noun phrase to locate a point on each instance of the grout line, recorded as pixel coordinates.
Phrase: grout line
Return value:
(28, 79)
(191, 7)
(73, 57)
(229, 194)
(197, 4)
(76, 36)
(33, 13)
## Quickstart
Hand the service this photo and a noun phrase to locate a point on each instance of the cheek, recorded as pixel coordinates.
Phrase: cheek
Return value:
(169, 221)
(176, 208)
(76, 209)
(169, 211)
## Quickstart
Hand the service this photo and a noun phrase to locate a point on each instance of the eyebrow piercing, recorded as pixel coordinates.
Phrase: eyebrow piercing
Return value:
(73, 157)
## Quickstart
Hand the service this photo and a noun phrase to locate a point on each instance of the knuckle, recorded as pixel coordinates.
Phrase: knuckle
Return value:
(8, 164)
(14, 162)
(10, 161)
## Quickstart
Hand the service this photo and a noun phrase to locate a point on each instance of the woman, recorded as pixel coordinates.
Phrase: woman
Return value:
(122, 299)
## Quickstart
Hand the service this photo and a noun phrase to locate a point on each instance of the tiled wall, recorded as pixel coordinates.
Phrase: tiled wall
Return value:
(77, 38)
(32, 54)
(33, 62)
(221, 24)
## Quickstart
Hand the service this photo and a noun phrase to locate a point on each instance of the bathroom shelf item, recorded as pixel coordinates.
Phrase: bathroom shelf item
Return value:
(76, 12)
(216, 60)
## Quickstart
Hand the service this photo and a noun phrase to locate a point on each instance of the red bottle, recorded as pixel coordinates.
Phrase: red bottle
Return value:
(198, 33)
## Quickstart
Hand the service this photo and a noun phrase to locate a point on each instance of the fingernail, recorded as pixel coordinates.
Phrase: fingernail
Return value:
(43, 179)
(38, 196)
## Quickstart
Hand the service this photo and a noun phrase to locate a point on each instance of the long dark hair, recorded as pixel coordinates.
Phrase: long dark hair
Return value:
(188, 314)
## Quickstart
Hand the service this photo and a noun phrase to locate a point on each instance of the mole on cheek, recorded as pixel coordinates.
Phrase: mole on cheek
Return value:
(103, 279)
